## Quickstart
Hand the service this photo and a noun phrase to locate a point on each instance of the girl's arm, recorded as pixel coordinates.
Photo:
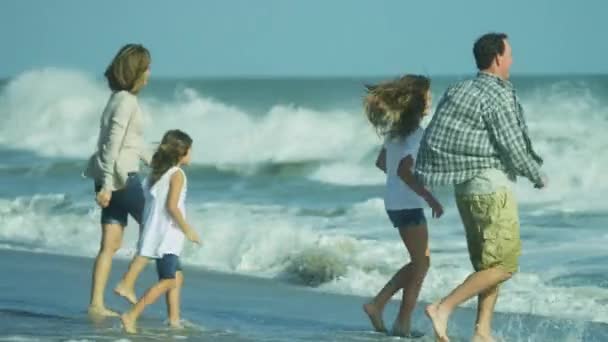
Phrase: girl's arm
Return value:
(405, 173)
(176, 186)
(381, 160)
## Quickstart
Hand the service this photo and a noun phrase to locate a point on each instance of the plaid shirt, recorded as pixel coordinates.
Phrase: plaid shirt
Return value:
(478, 125)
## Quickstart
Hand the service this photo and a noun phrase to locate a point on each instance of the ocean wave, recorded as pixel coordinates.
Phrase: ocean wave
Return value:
(318, 251)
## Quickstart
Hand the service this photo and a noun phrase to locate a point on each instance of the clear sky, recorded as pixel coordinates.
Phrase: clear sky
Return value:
(215, 38)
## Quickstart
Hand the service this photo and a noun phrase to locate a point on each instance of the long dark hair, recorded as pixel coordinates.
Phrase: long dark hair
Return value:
(395, 108)
(172, 148)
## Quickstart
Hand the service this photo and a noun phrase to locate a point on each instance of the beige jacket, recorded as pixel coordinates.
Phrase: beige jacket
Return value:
(120, 146)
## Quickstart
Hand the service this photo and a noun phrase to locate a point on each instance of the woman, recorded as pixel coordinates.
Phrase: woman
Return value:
(115, 166)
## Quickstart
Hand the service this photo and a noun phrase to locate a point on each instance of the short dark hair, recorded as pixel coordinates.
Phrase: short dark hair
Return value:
(487, 47)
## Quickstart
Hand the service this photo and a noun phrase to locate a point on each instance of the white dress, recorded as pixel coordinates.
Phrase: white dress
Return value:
(161, 235)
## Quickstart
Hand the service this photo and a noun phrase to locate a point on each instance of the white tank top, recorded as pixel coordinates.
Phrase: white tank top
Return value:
(161, 234)
(399, 195)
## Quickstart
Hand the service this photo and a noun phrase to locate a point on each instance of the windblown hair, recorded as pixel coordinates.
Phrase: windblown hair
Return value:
(395, 108)
(172, 149)
(127, 69)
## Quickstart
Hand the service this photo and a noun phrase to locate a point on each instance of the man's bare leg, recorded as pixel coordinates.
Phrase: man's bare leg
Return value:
(485, 311)
(475, 284)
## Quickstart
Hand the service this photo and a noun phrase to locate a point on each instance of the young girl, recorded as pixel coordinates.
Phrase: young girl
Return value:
(395, 109)
(165, 226)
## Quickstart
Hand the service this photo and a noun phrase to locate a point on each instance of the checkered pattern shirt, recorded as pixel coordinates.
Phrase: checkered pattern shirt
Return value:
(478, 125)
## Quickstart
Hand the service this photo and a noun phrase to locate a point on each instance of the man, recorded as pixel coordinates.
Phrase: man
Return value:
(478, 141)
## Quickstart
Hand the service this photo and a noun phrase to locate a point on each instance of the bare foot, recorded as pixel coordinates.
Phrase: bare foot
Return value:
(482, 338)
(399, 333)
(375, 316)
(401, 329)
(101, 312)
(128, 324)
(439, 318)
(128, 294)
(176, 325)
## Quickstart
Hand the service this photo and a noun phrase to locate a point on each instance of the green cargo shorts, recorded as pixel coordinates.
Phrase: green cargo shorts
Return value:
(491, 223)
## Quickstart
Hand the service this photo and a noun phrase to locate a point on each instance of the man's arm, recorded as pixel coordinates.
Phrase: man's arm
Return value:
(511, 143)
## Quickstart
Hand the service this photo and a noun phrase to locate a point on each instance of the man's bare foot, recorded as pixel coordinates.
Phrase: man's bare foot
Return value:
(128, 324)
(128, 294)
(375, 317)
(439, 318)
(101, 312)
(176, 325)
(482, 338)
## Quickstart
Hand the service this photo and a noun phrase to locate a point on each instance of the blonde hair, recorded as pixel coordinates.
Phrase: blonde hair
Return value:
(172, 148)
(127, 70)
(395, 108)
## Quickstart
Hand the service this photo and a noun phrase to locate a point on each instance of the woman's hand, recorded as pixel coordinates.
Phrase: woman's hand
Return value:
(103, 198)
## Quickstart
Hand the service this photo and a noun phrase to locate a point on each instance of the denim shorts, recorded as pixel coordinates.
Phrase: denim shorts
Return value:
(127, 201)
(405, 218)
(167, 266)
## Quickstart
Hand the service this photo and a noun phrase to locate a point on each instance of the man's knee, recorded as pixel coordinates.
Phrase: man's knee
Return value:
(502, 274)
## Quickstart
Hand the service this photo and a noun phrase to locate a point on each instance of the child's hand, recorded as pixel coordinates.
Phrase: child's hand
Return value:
(193, 236)
(436, 207)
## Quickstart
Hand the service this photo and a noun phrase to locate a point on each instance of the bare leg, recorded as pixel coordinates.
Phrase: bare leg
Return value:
(475, 284)
(485, 311)
(375, 307)
(416, 241)
(126, 286)
(129, 318)
(173, 301)
(110, 243)
(416, 237)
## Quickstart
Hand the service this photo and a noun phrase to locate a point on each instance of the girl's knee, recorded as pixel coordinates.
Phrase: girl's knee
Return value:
(420, 269)
(170, 283)
(421, 264)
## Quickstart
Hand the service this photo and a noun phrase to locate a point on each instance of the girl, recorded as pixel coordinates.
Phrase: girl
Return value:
(395, 109)
(165, 226)
(115, 166)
